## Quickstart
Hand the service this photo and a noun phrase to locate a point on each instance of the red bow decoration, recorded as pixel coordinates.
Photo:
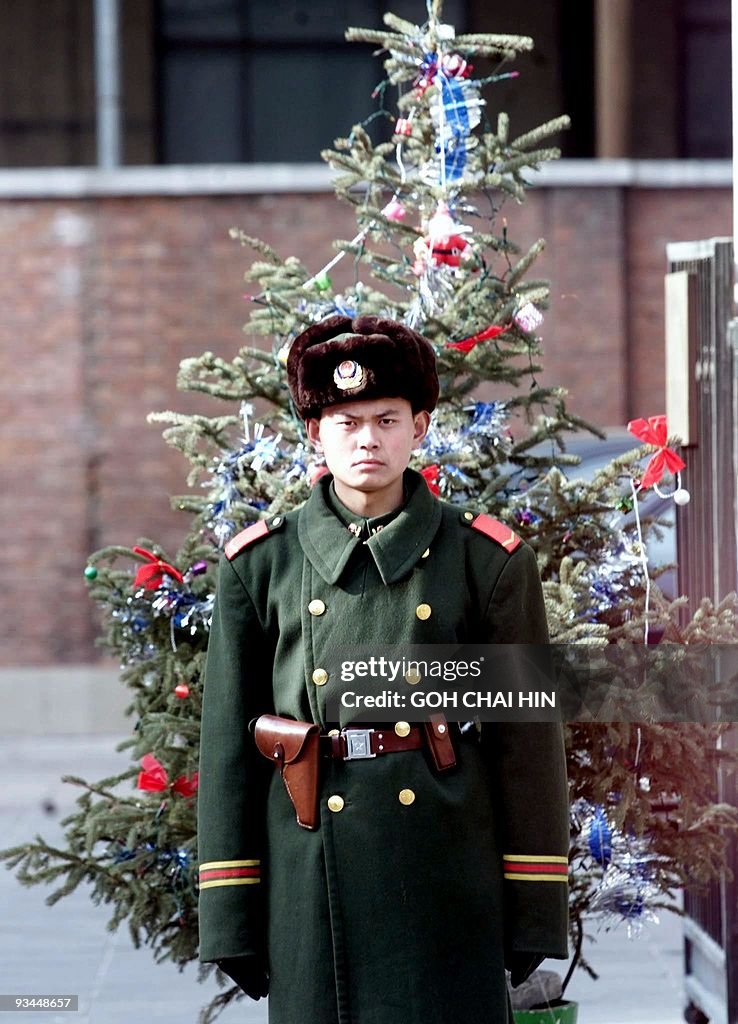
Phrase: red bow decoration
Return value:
(151, 576)
(430, 475)
(154, 778)
(653, 431)
(467, 344)
(186, 785)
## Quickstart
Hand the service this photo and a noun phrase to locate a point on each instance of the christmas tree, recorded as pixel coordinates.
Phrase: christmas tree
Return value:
(432, 249)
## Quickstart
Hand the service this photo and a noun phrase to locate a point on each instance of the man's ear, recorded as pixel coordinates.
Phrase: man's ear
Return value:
(421, 423)
(312, 426)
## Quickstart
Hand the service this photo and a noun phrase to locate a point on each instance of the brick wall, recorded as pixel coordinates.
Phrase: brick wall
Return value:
(100, 298)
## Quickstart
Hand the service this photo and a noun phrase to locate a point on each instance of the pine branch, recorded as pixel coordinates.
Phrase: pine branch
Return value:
(541, 132)
(256, 244)
(491, 45)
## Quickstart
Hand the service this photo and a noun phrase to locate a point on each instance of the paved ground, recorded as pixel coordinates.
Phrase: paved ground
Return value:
(66, 948)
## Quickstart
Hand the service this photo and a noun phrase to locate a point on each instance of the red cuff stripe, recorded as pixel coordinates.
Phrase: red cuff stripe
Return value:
(229, 873)
(554, 869)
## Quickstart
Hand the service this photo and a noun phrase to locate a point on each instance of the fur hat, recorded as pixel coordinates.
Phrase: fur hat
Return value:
(340, 359)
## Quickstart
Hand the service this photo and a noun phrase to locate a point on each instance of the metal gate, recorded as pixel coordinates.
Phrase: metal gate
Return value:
(703, 389)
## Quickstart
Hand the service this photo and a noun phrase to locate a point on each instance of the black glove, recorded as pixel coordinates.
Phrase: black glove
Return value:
(249, 973)
(522, 965)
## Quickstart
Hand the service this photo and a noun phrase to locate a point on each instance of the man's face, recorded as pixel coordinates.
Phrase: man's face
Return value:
(367, 444)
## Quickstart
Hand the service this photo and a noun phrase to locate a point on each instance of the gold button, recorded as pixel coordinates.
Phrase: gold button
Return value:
(423, 611)
(402, 728)
(335, 802)
(413, 676)
(405, 796)
(468, 515)
(425, 553)
(320, 676)
(316, 607)
(334, 732)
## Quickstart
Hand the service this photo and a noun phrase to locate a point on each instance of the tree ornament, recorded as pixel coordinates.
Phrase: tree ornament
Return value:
(403, 126)
(182, 690)
(653, 431)
(450, 65)
(420, 252)
(442, 224)
(598, 834)
(455, 66)
(323, 283)
(395, 211)
(446, 238)
(528, 318)
(525, 515)
(455, 110)
(153, 776)
(90, 572)
(448, 250)
(681, 496)
(426, 74)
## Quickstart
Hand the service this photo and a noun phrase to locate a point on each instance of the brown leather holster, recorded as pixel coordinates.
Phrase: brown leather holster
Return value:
(294, 748)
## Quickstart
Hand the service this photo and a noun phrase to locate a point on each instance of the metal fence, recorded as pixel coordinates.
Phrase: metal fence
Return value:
(706, 412)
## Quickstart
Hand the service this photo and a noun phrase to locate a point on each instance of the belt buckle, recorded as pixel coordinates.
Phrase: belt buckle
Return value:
(358, 744)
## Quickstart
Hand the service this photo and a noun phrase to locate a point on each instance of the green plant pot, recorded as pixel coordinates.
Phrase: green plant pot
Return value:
(557, 1012)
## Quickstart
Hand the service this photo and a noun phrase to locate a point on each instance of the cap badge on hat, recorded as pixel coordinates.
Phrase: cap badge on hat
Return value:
(349, 375)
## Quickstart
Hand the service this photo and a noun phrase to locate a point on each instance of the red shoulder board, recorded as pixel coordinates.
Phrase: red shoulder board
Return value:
(254, 532)
(497, 531)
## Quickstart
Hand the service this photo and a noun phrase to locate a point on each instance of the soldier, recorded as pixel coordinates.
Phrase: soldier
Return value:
(383, 877)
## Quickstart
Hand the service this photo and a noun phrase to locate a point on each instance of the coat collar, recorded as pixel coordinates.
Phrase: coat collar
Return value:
(328, 543)
(362, 526)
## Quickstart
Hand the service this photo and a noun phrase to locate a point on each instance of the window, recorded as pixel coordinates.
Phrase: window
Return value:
(704, 71)
(266, 80)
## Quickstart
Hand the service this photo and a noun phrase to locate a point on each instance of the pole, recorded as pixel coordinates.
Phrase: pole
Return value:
(734, 39)
(613, 77)
(107, 83)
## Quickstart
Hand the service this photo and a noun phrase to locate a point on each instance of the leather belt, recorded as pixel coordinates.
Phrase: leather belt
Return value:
(358, 744)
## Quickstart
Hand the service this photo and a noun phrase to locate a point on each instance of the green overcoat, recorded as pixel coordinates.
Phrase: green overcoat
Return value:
(391, 912)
